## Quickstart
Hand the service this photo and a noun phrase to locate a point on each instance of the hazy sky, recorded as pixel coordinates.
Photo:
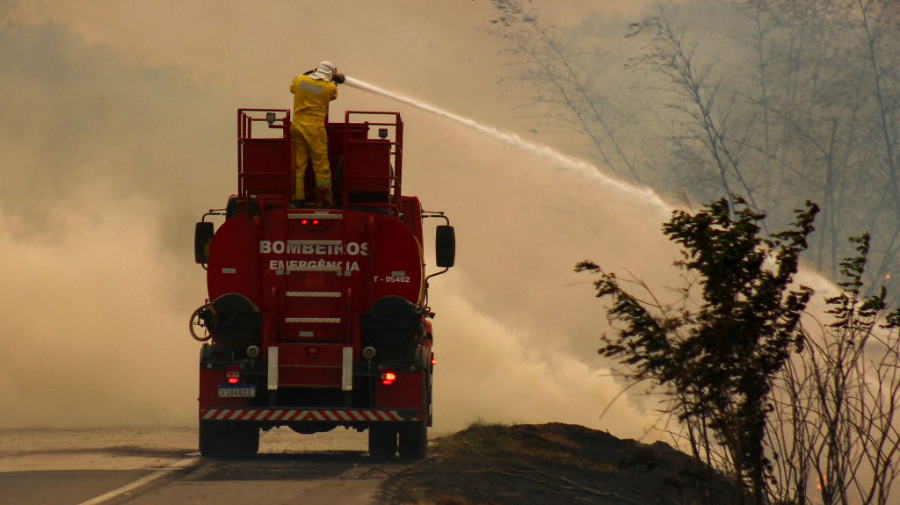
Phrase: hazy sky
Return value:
(118, 133)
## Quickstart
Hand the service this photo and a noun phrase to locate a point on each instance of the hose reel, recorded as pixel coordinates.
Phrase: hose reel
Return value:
(231, 320)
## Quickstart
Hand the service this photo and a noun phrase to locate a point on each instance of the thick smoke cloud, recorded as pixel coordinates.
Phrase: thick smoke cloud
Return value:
(109, 156)
(101, 164)
(89, 334)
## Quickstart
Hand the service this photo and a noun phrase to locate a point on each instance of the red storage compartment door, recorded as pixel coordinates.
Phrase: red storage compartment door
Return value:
(234, 260)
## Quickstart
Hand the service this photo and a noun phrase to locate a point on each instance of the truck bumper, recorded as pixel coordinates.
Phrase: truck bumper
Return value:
(341, 416)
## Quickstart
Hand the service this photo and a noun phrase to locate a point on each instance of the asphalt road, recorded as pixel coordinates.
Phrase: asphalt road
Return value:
(161, 466)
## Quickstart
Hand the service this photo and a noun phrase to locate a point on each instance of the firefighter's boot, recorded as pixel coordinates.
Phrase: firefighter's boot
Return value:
(324, 196)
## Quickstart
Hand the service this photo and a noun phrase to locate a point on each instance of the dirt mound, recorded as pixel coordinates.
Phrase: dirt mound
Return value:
(552, 463)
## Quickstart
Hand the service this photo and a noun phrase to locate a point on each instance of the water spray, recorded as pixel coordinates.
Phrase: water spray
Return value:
(514, 140)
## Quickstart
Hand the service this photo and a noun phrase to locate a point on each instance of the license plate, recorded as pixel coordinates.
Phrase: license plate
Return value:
(237, 391)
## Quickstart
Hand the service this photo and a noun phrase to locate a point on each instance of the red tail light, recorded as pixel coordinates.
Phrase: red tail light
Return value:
(388, 377)
(233, 374)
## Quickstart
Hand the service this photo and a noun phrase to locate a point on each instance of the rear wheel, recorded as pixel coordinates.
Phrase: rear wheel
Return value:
(382, 441)
(228, 439)
(246, 441)
(213, 439)
(413, 440)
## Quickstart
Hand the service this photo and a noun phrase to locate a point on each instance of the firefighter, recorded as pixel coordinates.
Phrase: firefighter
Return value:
(313, 91)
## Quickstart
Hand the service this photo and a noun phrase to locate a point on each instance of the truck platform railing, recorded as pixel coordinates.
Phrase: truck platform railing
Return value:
(365, 155)
(264, 153)
(372, 163)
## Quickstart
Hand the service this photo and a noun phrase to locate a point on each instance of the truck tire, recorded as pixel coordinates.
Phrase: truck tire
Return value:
(246, 441)
(213, 439)
(228, 440)
(382, 441)
(413, 440)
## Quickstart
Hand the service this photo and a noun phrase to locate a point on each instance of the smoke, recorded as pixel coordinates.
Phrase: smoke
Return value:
(109, 156)
(89, 336)
(517, 330)
(100, 189)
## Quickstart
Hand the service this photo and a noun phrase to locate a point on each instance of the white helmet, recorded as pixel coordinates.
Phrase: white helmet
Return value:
(324, 72)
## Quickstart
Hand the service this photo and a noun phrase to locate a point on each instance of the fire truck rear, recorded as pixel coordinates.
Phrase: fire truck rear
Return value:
(317, 317)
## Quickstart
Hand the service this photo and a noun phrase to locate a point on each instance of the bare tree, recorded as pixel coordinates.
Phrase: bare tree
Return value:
(776, 100)
(698, 94)
(556, 78)
(878, 23)
(837, 402)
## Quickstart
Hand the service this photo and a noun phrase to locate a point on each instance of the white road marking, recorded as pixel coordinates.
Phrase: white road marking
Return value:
(142, 481)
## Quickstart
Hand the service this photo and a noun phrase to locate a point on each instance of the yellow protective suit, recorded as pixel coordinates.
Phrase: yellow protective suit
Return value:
(308, 137)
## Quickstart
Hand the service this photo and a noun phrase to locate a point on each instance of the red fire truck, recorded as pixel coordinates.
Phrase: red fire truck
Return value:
(317, 317)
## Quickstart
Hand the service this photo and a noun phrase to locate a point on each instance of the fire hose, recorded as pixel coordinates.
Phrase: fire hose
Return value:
(204, 317)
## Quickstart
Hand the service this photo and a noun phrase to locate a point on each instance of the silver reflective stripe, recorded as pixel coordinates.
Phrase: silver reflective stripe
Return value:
(314, 269)
(273, 368)
(310, 87)
(313, 294)
(306, 215)
(347, 372)
(312, 320)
